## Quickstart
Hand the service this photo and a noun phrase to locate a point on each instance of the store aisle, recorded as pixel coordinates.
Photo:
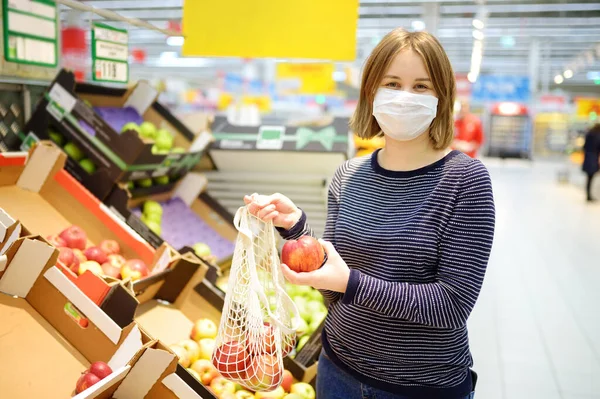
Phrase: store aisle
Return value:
(535, 332)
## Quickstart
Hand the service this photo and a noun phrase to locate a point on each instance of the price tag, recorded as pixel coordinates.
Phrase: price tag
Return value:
(111, 71)
(110, 54)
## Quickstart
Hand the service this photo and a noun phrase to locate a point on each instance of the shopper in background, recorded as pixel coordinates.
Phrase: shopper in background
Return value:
(591, 155)
(468, 131)
(409, 231)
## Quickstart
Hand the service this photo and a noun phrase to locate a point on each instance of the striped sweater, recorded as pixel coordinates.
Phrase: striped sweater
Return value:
(417, 244)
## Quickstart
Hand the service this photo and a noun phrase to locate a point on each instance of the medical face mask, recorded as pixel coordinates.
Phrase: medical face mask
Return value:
(403, 115)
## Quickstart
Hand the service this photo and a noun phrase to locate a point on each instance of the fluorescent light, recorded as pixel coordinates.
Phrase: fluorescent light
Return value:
(418, 25)
(568, 74)
(168, 55)
(478, 24)
(175, 41)
(478, 35)
(558, 79)
(472, 77)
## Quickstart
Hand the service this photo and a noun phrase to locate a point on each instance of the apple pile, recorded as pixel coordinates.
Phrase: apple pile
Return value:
(102, 260)
(162, 138)
(312, 309)
(152, 216)
(73, 151)
(94, 374)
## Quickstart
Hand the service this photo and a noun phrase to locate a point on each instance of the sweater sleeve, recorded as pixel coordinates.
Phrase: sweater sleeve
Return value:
(302, 227)
(463, 256)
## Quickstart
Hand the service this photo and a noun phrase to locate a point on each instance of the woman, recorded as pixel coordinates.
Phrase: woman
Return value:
(591, 153)
(409, 231)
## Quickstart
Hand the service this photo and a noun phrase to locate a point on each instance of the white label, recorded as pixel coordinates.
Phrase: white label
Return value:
(110, 35)
(31, 25)
(111, 50)
(111, 70)
(160, 172)
(43, 10)
(62, 97)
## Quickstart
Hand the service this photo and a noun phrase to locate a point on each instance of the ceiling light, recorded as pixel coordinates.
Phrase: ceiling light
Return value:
(175, 41)
(472, 77)
(558, 79)
(568, 74)
(418, 25)
(478, 35)
(478, 24)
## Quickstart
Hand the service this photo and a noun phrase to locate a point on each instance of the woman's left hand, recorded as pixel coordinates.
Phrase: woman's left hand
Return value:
(332, 276)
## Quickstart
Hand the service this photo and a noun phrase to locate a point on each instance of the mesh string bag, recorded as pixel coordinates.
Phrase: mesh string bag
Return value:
(259, 319)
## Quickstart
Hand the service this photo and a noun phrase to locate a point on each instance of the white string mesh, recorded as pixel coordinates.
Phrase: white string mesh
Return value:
(258, 326)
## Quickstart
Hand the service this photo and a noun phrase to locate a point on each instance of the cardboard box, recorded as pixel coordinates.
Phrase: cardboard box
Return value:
(118, 156)
(47, 199)
(189, 216)
(44, 346)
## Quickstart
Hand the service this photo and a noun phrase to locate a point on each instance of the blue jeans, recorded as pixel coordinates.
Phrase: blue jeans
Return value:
(335, 383)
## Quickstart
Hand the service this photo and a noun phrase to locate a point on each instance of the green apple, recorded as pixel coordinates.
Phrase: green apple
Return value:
(301, 304)
(131, 185)
(316, 320)
(152, 207)
(178, 150)
(148, 130)
(153, 226)
(56, 137)
(144, 183)
(303, 389)
(161, 180)
(303, 290)
(315, 295)
(152, 217)
(163, 143)
(291, 290)
(201, 249)
(302, 327)
(301, 342)
(315, 307)
(74, 151)
(130, 126)
(88, 165)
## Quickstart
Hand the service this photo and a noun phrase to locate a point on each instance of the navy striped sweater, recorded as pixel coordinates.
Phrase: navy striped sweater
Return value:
(417, 244)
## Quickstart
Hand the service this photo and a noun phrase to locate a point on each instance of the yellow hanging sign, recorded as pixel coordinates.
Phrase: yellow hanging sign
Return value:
(310, 29)
(315, 78)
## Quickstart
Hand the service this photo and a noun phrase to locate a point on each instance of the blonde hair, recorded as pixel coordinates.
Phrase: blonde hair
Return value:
(438, 66)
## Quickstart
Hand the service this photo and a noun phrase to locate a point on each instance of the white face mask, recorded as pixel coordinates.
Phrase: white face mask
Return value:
(403, 115)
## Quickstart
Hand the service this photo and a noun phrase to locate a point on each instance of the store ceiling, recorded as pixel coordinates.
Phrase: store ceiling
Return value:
(563, 30)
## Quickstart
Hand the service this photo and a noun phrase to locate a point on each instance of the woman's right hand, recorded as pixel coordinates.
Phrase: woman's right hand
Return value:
(278, 208)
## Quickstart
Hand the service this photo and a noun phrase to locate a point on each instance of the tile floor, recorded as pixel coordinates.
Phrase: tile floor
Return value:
(535, 331)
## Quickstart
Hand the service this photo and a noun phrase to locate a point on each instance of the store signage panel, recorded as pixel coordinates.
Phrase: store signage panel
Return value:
(30, 30)
(110, 54)
(307, 29)
(314, 78)
(501, 88)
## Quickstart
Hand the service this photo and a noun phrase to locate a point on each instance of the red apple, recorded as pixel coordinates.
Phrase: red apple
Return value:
(287, 380)
(303, 255)
(203, 328)
(95, 254)
(108, 269)
(74, 237)
(56, 241)
(110, 247)
(100, 369)
(116, 260)
(92, 266)
(206, 370)
(75, 265)
(66, 256)
(85, 381)
(221, 386)
(79, 255)
(231, 359)
(264, 373)
(134, 269)
(265, 342)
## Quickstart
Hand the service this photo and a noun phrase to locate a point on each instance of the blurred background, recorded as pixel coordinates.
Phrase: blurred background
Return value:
(266, 91)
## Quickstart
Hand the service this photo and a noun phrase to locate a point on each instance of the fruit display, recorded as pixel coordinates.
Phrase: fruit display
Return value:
(152, 216)
(102, 260)
(94, 374)
(163, 139)
(303, 255)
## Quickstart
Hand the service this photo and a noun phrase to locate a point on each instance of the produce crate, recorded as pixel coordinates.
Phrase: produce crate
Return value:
(93, 117)
(46, 198)
(42, 315)
(188, 217)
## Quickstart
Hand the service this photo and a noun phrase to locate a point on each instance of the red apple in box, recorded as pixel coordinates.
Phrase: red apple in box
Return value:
(205, 370)
(287, 380)
(110, 247)
(95, 254)
(66, 256)
(74, 237)
(231, 359)
(112, 267)
(79, 255)
(85, 381)
(100, 369)
(92, 266)
(134, 269)
(304, 255)
(56, 241)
